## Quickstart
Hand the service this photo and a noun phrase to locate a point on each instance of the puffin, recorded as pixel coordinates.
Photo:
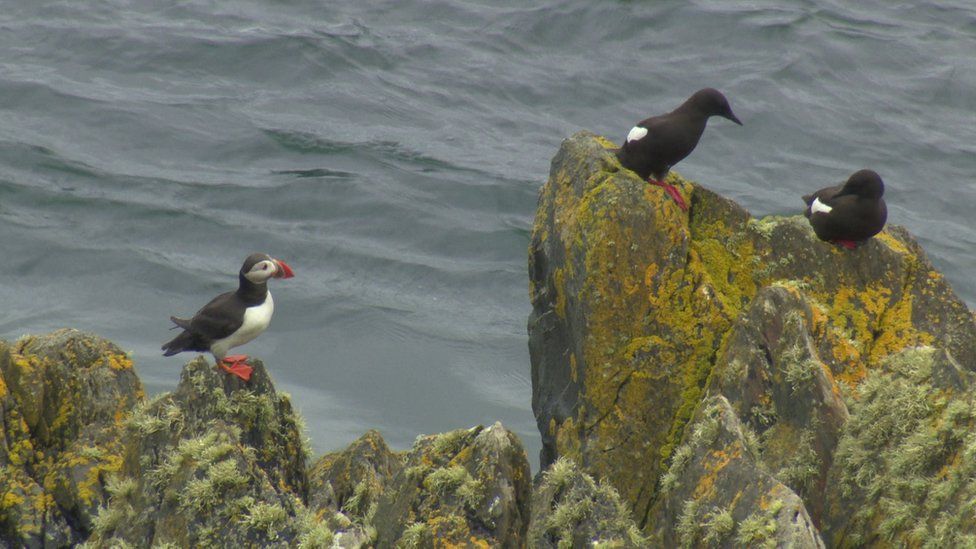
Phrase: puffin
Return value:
(232, 319)
(657, 143)
(850, 213)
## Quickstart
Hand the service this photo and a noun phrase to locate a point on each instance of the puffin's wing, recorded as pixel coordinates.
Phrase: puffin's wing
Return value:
(219, 318)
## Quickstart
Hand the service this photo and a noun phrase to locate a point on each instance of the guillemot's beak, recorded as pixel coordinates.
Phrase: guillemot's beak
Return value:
(734, 118)
(283, 271)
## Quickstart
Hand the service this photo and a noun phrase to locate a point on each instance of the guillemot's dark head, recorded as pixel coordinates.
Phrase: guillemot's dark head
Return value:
(711, 102)
(259, 268)
(865, 184)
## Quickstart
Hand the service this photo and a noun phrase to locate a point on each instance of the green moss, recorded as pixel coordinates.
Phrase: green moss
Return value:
(267, 518)
(455, 480)
(717, 526)
(687, 528)
(907, 456)
(575, 507)
(415, 536)
(757, 530)
(220, 479)
(803, 466)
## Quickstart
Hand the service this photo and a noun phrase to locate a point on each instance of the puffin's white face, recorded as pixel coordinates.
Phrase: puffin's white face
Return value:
(262, 271)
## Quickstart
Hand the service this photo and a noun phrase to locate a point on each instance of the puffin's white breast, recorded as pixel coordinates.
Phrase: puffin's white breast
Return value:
(256, 320)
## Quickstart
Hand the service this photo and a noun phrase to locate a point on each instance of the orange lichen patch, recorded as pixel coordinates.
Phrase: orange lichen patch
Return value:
(462, 457)
(898, 331)
(893, 243)
(559, 278)
(727, 259)
(649, 274)
(66, 410)
(606, 143)
(10, 500)
(452, 531)
(118, 362)
(110, 463)
(3, 387)
(568, 440)
(715, 461)
(25, 363)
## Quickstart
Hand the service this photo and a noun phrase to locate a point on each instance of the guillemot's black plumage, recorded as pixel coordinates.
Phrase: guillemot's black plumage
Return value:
(233, 318)
(657, 143)
(850, 213)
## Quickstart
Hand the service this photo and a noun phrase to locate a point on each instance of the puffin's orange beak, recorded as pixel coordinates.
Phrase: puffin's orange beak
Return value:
(284, 271)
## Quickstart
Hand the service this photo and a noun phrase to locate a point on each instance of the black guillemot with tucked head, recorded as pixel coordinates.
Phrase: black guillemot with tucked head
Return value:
(656, 144)
(850, 213)
(233, 318)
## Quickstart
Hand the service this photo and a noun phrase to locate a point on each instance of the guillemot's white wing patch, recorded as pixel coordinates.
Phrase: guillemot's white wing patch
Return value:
(636, 134)
(819, 207)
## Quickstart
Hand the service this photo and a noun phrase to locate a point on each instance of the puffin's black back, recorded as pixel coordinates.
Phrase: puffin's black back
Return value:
(222, 316)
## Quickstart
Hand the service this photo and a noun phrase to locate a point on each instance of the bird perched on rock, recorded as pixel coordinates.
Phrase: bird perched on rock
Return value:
(850, 213)
(232, 319)
(656, 144)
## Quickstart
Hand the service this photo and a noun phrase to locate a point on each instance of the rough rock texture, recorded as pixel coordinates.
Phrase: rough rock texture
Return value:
(85, 458)
(641, 312)
(349, 484)
(216, 462)
(717, 494)
(465, 488)
(773, 377)
(569, 509)
(63, 400)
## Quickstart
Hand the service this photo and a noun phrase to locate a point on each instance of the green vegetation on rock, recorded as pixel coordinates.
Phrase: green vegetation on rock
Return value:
(642, 313)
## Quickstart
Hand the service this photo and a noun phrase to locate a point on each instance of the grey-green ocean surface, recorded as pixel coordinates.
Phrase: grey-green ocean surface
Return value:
(391, 153)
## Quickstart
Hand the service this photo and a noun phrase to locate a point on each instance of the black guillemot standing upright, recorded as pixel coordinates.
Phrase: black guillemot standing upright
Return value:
(232, 319)
(850, 213)
(656, 144)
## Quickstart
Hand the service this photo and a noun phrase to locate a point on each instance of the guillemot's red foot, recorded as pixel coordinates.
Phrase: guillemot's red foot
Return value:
(849, 244)
(672, 192)
(237, 365)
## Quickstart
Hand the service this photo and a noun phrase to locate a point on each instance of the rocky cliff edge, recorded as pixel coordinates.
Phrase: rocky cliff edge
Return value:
(740, 382)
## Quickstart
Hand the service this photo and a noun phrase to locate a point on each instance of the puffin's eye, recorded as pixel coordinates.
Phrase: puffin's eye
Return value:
(264, 267)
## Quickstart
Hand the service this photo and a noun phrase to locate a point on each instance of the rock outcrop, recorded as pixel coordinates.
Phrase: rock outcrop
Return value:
(648, 321)
(465, 488)
(64, 398)
(570, 509)
(700, 379)
(85, 457)
(216, 462)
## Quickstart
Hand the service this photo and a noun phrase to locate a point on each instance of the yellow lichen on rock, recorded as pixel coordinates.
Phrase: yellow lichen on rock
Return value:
(634, 301)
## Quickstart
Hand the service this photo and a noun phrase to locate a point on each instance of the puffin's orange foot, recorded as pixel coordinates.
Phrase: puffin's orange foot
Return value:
(236, 365)
(849, 244)
(672, 192)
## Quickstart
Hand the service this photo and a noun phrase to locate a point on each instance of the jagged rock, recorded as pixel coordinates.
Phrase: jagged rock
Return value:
(216, 462)
(469, 487)
(904, 466)
(63, 397)
(716, 495)
(569, 509)
(637, 305)
(778, 386)
(350, 483)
